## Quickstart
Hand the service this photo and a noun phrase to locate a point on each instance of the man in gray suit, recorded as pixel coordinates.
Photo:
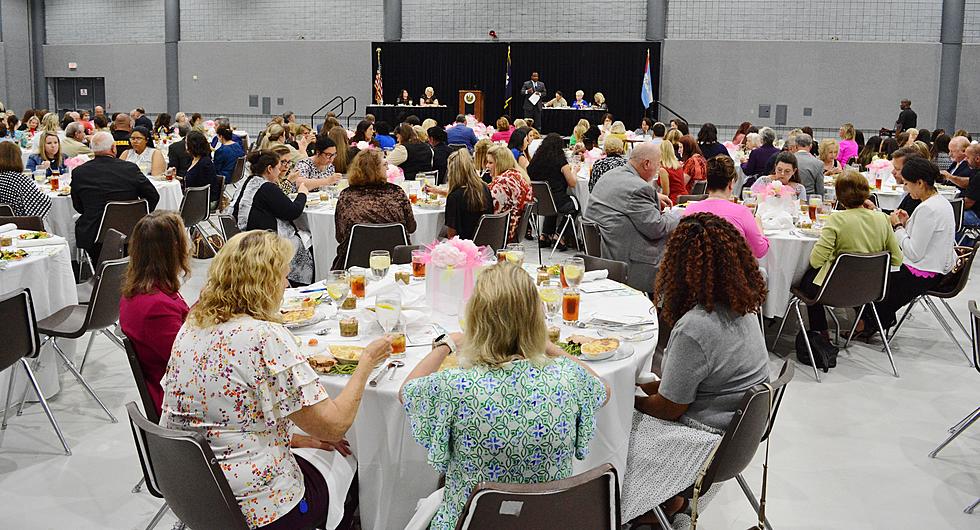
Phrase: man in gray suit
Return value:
(810, 167)
(533, 110)
(629, 212)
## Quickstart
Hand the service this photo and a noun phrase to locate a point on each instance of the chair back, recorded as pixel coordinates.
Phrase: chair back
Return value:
(229, 228)
(492, 230)
(402, 254)
(24, 222)
(523, 222)
(366, 237)
(456, 147)
(953, 283)
(589, 500)
(123, 216)
(20, 338)
(239, 171)
(617, 269)
(855, 280)
(593, 238)
(545, 200)
(431, 175)
(195, 207)
(113, 247)
(103, 309)
(699, 187)
(957, 205)
(149, 407)
(681, 199)
(6, 210)
(180, 467)
(975, 327)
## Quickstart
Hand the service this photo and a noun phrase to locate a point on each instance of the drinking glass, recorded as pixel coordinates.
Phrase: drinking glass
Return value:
(572, 270)
(398, 342)
(418, 264)
(515, 254)
(357, 281)
(380, 262)
(570, 304)
(389, 309)
(338, 285)
(550, 292)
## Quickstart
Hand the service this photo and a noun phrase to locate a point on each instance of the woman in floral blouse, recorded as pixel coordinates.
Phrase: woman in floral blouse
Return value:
(510, 186)
(518, 408)
(237, 376)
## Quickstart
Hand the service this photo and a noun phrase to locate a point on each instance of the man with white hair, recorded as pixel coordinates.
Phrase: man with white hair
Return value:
(73, 144)
(101, 180)
(959, 171)
(810, 167)
(632, 215)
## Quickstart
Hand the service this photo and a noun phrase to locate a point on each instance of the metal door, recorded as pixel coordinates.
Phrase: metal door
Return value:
(73, 93)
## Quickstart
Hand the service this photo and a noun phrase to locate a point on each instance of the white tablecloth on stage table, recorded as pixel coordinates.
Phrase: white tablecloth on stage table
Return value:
(788, 258)
(47, 273)
(320, 222)
(392, 467)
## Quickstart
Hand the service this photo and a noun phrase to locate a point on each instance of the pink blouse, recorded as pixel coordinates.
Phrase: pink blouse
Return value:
(848, 149)
(738, 215)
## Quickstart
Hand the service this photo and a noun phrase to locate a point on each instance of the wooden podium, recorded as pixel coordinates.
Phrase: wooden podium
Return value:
(471, 102)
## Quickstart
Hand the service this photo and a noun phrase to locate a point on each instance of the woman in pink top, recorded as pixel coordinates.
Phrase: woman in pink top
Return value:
(721, 179)
(504, 130)
(848, 147)
(151, 310)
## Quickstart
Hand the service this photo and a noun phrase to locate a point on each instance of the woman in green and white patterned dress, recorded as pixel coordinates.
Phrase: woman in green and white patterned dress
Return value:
(516, 410)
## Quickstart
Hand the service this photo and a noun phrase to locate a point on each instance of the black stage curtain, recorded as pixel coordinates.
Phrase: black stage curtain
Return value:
(613, 68)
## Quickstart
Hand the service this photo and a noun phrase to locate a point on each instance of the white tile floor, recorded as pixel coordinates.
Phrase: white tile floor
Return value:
(847, 453)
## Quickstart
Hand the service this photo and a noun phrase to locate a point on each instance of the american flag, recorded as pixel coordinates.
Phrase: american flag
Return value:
(378, 85)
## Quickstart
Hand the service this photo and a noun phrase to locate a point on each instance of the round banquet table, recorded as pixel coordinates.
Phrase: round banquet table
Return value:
(170, 194)
(392, 467)
(890, 199)
(788, 258)
(319, 220)
(47, 273)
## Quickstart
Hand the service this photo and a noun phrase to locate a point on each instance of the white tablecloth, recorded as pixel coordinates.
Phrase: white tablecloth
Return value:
(889, 200)
(170, 194)
(788, 258)
(392, 467)
(47, 273)
(320, 222)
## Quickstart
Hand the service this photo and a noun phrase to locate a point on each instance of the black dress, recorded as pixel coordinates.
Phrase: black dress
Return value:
(460, 217)
(551, 173)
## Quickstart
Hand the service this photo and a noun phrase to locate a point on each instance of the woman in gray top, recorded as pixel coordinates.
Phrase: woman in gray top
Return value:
(710, 291)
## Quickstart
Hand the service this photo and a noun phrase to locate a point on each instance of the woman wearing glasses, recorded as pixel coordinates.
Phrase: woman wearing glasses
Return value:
(318, 170)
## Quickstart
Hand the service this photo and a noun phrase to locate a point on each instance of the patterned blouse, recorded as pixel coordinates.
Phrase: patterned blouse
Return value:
(600, 167)
(511, 192)
(696, 167)
(308, 169)
(516, 424)
(22, 195)
(386, 203)
(236, 383)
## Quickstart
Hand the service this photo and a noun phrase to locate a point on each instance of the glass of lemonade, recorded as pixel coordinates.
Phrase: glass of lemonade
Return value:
(573, 270)
(515, 254)
(338, 286)
(380, 262)
(550, 292)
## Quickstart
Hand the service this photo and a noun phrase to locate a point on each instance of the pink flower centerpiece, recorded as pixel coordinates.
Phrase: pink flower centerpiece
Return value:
(75, 161)
(451, 270)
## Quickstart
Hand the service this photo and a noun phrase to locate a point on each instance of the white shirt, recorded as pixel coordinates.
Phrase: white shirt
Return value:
(144, 160)
(928, 239)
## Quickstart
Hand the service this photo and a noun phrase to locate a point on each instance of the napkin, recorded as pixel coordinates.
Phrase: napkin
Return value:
(598, 274)
(53, 240)
(410, 297)
(7, 228)
(599, 286)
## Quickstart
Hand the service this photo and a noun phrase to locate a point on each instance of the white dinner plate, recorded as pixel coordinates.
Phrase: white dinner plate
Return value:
(624, 351)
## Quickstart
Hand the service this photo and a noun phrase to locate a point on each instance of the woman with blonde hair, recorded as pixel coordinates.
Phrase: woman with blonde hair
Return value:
(50, 158)
(617, 130)
(672, 172)
(509, 186)
(848, 146)
(428, 99)
(49, 124)
(345, 153)
(504, 130)
(599, 101)
(578, 133)
(468, 197)
(480, 158)
(913, 135)
(551, 415)
(828, 151)
(276, 135)
(236, 328)
(369, 199)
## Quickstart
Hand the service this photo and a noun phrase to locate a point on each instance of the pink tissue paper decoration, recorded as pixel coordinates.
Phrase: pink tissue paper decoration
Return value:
(451, 275)
(775, 189)
(363, 146)
(209, 124)
(75, 161)
(394, 174)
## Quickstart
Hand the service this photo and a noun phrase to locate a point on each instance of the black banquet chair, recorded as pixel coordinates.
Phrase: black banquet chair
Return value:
(492, 230)
(366, 237)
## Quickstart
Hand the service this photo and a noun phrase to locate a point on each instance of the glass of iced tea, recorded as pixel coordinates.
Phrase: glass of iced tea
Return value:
(398, 342)
(570, 302)
(418, 264)
(358, 281)
(815, 201)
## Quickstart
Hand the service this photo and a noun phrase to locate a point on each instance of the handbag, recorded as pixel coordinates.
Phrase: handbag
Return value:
(824, 352)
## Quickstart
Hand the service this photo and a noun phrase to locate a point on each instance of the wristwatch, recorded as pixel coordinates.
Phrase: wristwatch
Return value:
(445, 340)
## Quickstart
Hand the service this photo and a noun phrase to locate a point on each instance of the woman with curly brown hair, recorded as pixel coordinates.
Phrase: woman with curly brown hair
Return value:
(709, 289)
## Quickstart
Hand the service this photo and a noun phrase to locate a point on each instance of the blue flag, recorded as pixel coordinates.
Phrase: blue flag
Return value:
(646, 93)
(507, 82)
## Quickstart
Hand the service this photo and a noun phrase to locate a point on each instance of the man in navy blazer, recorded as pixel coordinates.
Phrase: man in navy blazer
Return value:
(459, 133)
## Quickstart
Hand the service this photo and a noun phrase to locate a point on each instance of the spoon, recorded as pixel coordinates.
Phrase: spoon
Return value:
(394, 365)
(375, 379)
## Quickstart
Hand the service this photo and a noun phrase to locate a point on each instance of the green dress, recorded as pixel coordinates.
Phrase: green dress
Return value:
(516, 424)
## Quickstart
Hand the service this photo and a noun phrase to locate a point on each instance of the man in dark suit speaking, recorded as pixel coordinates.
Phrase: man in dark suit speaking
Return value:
(531, 89)
(99, 181)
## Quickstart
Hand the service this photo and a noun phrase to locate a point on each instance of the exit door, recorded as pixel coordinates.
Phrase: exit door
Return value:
(75, 93)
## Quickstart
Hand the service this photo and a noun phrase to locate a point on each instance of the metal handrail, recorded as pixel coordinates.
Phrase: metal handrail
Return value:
(352, 110)
(340, 103)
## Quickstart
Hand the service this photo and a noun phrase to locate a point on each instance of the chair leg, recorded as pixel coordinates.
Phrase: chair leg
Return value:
(537, 236)
(942, 322)
(854, 327)
(88, 348)
(751, 497)
(964, 420)
(962, 328)
(806, 339)
(782, 324)
(564, 227)
(44, 405)
(908, 309)
(969, 509)
(964, 426)
(662, 517)
(78, 376)
(159, 515)
(23, 397)
(830, 311)
(884, 339)
(113, 338)
(139, 486)
(6, 406)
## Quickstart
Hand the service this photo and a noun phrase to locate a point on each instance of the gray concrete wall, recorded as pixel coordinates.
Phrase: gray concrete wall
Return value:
(16, 86)
(968, 108)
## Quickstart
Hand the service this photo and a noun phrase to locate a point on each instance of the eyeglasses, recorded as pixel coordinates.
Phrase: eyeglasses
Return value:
(329, 155)
(284, 162)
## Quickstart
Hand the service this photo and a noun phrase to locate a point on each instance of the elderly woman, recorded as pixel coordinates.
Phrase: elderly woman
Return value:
(369, 199)
(149, 159)
(510, 187)
(721, 181)
(753, 141)
(235, 328)
(551, 413)
(759, 157)
(617, 130)
(716, 351)
(262, 205)
(786, 172)
(410, 153)
(50, 158)
(599, 101)
(848, 147)
(580, 102)
(615, 157)
(18, 190)
(927, 240)
(428, 98)
(828, 155)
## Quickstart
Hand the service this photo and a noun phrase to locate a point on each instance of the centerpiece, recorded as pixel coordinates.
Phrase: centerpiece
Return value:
(778, 206)
(451, 269)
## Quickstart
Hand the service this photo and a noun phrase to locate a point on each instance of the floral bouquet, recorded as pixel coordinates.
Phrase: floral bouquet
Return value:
(363, 146)
(451, 267)
(778, 206)
(75, 161)
(880, 168)
(395, 174)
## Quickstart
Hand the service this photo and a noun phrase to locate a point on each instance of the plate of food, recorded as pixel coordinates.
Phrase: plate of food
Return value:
(345, 353)
(31, 236)
(300, 317)
(433, 204)
(595, 349)
(13, 255)
(321, 364)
